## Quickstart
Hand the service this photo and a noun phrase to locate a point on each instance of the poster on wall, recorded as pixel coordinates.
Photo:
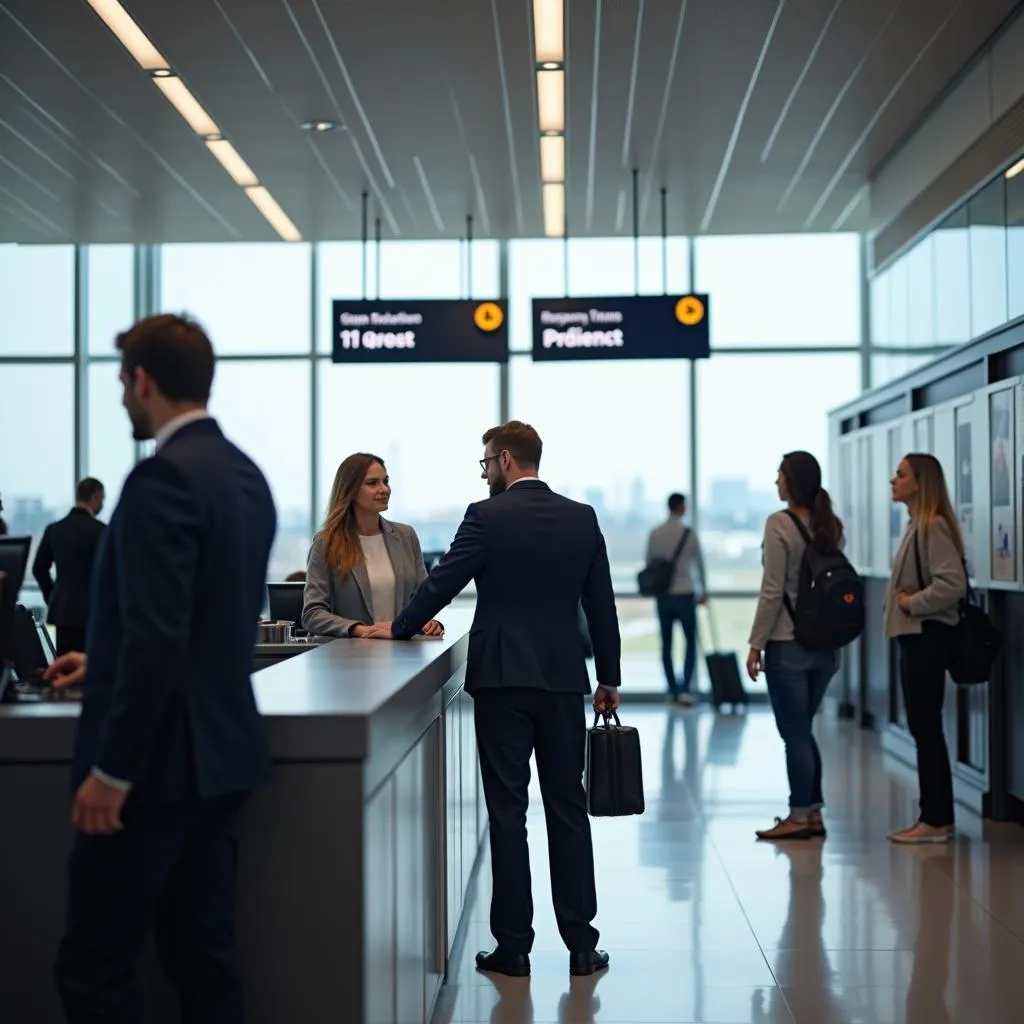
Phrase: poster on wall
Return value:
(1001, 429)
(923, 435)
(964, 475)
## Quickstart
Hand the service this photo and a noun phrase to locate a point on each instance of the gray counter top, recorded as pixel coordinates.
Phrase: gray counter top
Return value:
(340, 700)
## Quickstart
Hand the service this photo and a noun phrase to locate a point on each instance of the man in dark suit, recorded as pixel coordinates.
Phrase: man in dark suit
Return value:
(534, 555)
(170, 741)
(70, 544)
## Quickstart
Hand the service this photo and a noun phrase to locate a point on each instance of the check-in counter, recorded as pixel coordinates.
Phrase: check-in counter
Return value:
(355, 861)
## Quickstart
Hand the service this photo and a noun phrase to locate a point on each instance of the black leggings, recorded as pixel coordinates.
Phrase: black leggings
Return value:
(924, 658)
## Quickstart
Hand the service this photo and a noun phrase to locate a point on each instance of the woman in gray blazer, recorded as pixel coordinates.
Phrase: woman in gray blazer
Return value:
(922, 608)
(362, 569)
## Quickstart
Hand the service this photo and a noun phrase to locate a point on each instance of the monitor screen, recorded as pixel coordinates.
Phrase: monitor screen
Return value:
(13, 562)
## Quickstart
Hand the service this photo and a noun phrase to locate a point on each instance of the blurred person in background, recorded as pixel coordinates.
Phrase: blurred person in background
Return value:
(70, 544)
(362, 567)
(673, 541)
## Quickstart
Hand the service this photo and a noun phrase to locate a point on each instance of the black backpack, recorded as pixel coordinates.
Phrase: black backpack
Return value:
(829, 610)
(654, 579)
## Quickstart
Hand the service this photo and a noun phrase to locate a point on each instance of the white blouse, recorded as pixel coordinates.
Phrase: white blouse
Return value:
(382, 577)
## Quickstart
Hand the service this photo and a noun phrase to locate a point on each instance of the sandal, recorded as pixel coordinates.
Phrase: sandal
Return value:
(786, 828)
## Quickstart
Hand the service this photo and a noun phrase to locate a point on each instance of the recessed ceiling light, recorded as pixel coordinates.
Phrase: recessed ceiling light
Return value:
(162, 73)
(551, 65)
(322, 126)
(1015, 169)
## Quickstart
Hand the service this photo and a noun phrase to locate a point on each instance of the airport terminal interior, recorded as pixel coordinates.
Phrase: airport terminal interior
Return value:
(681, 238)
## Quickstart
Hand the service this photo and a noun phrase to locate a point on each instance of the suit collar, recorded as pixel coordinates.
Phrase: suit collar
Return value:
(195, 426)
(527, 483)
(76, 510)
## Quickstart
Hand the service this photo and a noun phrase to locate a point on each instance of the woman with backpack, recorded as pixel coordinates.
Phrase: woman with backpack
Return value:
(796, 676)
(922, 609)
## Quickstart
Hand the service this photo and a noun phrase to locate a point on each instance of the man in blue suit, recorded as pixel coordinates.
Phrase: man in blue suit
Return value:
(534, 555)
(170, 741)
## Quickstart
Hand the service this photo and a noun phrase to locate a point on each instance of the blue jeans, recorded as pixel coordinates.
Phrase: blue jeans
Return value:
(681, 608)
(797, 680)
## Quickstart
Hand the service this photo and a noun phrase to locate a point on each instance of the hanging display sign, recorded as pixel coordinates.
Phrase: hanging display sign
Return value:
(420, 331)
(630, 327)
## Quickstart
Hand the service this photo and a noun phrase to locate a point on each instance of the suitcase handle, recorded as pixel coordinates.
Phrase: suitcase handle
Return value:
(608, 716)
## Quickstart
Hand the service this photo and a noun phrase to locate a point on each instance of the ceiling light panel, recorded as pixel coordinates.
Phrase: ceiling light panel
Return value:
(187, 105)
(241, 173)
(276, 217)
(548, 30)
(1015, 169)
(552, 158)
(551, 100)
(554, 210)
(131, 37)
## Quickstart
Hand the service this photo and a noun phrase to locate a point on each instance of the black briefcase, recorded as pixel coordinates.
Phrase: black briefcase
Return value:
(614, 774)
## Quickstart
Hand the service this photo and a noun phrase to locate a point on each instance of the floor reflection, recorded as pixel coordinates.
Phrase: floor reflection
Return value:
(705, 925)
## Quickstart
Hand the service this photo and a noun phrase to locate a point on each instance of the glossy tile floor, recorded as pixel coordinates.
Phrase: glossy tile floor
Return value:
(704, 924)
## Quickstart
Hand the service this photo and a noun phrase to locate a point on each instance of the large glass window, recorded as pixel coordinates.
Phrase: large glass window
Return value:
(616, 435)
(110, 303)
(264, 408)
(952, 280)
(752, 410)
(110, 450)
(37, 459)
(252, 298)
(1015, 245)
(37, 295)
(781, 289)
(425, 421)
(899, 303)
(921, 293)
(987, 214)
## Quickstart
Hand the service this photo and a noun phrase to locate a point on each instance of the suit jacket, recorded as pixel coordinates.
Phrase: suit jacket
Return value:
(179, 583)
(331, 606)
(945, 582)
(70, 544)
(534, 555)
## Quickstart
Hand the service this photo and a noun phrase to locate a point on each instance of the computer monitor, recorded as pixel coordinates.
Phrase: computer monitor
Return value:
(13, 563)
(286, 602)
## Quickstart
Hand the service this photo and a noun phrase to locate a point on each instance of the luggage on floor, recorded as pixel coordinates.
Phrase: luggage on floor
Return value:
(723, 671)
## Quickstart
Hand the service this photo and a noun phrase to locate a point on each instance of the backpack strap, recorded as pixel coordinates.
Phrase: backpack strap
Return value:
(806, 534)
(679, 547)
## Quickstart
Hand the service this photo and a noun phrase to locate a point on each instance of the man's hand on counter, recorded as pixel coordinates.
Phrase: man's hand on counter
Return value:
(97, 810)
(67, 670)
(382, 631)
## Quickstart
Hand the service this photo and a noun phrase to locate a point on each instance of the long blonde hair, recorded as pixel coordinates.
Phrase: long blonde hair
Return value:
(342, 550)
(933, 496)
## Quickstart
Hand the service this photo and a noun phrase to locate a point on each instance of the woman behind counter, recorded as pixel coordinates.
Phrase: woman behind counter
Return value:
(362, 569)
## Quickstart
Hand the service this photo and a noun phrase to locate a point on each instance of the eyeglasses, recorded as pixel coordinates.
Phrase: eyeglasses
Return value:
(483, 462)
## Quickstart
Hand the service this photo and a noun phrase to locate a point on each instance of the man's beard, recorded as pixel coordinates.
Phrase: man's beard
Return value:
(142, 430)
(499, 486)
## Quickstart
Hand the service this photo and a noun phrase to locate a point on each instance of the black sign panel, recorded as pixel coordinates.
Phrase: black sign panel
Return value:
(630, 327)
(420, 331)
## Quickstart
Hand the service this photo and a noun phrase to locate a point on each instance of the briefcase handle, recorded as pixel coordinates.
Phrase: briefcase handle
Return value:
(608, 716)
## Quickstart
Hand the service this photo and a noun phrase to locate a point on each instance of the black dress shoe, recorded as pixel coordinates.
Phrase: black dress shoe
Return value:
(515, 965)
(581, 964)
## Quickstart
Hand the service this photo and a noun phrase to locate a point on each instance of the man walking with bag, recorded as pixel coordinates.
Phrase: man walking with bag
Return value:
(676, 544)
(535, 556)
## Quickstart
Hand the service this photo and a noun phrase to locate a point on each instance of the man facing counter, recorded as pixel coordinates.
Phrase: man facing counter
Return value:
(170, 741)
(534, 555)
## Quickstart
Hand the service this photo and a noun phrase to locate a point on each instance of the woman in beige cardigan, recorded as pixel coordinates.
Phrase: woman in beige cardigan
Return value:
(922, 609)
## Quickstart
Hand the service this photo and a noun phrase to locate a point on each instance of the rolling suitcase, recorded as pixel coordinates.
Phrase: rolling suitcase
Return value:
(723, 672)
